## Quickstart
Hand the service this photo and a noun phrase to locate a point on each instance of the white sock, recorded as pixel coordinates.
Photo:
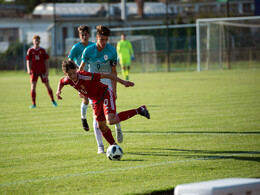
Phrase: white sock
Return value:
(98, 134)
(83, 110)
(118, 126)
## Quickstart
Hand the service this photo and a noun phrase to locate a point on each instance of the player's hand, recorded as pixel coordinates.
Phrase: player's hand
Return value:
(80, 95)
(115, 95)
(58, 95)
(129, 84)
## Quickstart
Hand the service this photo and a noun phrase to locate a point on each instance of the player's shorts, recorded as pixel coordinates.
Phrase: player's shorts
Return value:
(106, 106)
(44, 78)
(125, 61)
(106, 82)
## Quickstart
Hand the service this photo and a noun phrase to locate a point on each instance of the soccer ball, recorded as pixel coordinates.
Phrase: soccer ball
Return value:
(114, 152)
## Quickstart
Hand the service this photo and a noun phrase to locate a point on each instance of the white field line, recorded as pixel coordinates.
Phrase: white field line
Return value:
(119, 169)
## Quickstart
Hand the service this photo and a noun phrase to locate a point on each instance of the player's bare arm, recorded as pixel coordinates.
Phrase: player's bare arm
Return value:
(82, 66)
(114, 83)
(117, 79)
(29, 65)
(60, 86)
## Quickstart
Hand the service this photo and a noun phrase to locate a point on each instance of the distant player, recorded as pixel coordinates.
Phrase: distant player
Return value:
(89, 85)
(102, 58)
(125, 54)
(75, 55)
(37, 61)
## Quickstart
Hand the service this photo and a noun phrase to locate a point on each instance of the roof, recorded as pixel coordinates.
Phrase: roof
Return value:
(97, 9)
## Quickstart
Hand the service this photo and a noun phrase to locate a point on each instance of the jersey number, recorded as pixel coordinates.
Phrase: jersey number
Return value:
(98, 66)
(37, 57)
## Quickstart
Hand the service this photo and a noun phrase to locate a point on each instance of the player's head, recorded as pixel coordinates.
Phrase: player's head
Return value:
(103, 30)
(103, 34)
(36, 41)
(123, 36)
(83, 34)
(70, 69)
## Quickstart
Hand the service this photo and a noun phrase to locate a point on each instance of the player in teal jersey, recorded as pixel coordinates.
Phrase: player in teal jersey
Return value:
(102, 58)
(75, 55)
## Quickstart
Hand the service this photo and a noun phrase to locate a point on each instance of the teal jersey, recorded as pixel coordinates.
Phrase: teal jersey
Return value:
(100, 62)
(76, 52)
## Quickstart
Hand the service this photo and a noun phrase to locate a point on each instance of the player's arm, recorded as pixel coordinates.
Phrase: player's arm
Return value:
(131, 51)
(114, 83)
(117, 79)
(29, 66)
(28, 62)
(82, 66)
(60, 86)
(131, 48)
(84, 60)
(118, 47)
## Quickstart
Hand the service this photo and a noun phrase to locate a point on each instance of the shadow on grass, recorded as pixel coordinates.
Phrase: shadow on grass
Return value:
(195, 132)
(201, 154)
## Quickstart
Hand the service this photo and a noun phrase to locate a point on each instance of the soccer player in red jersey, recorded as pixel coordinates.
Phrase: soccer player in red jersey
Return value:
(37, 61)
(89, 85)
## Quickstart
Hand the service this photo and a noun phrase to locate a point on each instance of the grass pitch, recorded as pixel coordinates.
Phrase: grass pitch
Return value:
(203, 126)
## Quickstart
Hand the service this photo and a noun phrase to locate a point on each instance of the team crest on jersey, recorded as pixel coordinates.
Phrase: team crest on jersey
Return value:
(106, 57)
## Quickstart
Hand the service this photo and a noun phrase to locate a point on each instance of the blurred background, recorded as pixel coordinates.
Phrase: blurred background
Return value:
(167, 35)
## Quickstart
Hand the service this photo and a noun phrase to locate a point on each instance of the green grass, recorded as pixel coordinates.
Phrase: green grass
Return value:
(203, 126)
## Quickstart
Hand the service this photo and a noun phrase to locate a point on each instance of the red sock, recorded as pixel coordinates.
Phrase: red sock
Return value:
(122, 116)
(108, 136)
(33, 96)
(50, 94)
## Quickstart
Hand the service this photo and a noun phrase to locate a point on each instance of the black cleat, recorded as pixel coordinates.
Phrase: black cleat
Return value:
(144, 112)
(85, 124)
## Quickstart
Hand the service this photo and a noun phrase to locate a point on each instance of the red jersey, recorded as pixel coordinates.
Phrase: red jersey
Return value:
(89, 85)
(37, 56)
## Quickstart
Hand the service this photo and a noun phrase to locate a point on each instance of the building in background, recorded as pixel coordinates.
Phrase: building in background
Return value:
(56, 23)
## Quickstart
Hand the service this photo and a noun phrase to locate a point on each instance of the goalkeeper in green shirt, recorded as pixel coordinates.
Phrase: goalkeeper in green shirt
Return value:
(125, 55)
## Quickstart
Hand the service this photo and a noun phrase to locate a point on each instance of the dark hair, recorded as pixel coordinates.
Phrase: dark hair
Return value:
(83, 28)
(103, 30)
(67, 65)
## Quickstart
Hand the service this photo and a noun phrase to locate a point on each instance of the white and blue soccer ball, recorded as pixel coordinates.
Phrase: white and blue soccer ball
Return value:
(114, 152)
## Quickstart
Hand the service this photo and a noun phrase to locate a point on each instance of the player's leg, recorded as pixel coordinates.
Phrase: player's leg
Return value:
(121, 62)
(106, 132)
(123, 71)
(45, 80)
(97, 132)
(98, 135)
(127, 71)
(109, 108)
(34, 79)
(125, 115)
(119, 133)
(83, 111)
